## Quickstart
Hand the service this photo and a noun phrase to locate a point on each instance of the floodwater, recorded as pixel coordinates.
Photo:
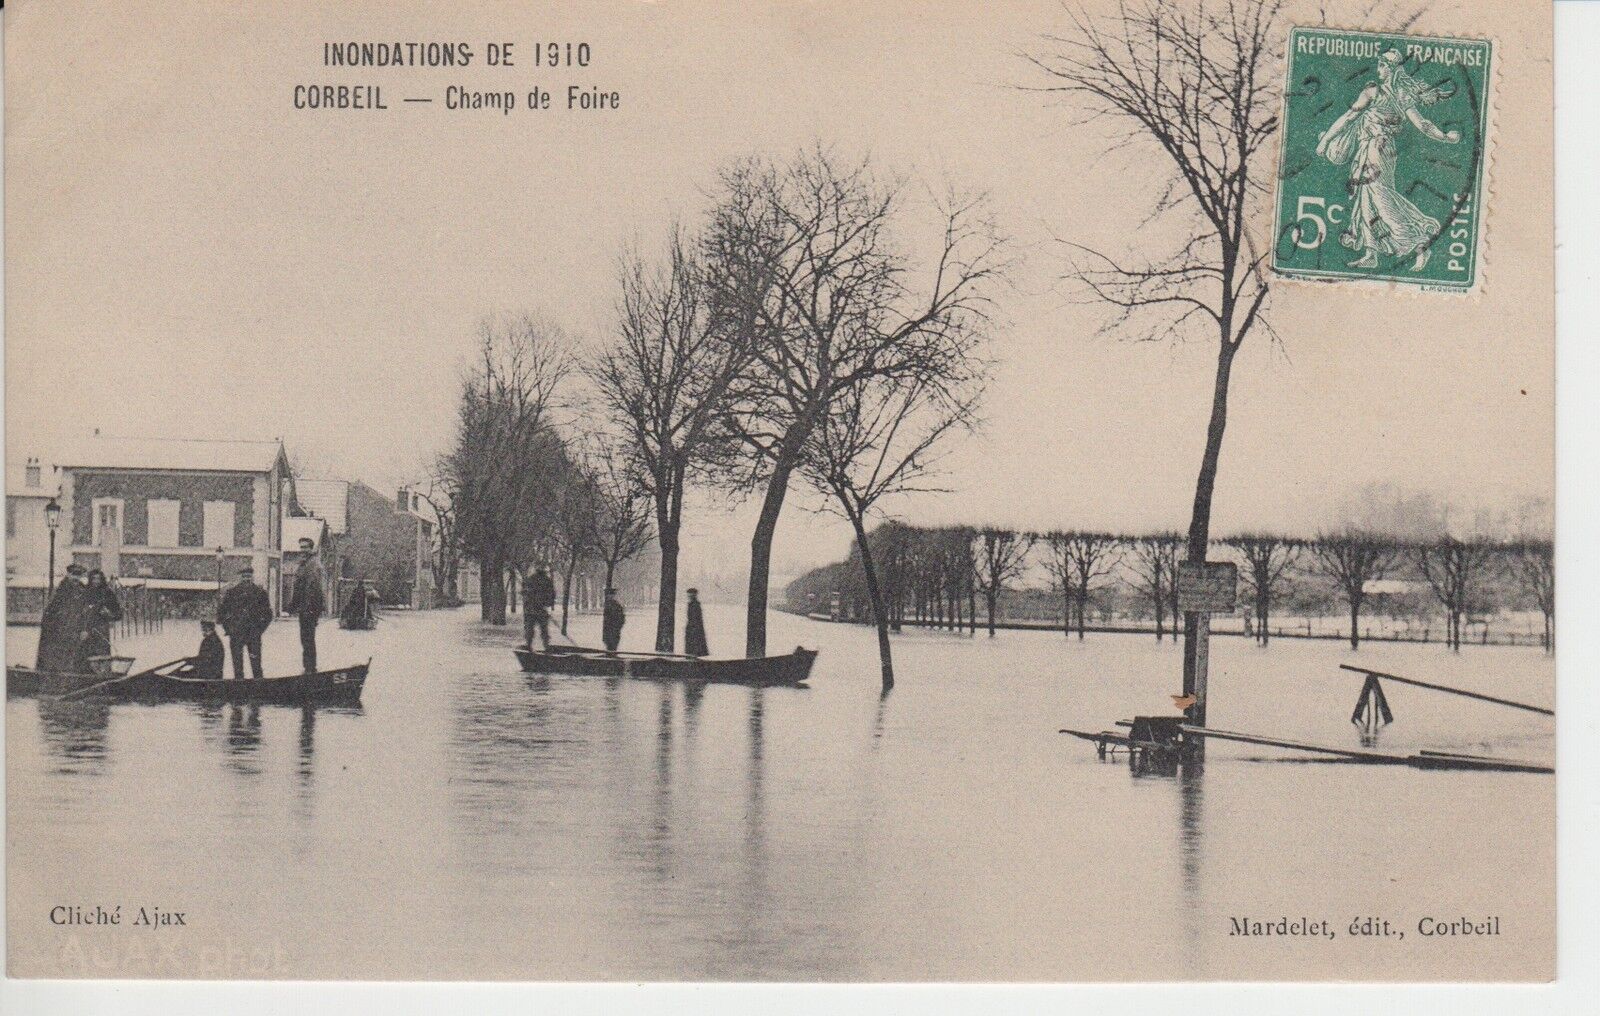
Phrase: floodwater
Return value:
(469, 821)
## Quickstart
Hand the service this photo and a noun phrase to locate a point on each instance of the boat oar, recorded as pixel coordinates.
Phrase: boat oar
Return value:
(97, 686)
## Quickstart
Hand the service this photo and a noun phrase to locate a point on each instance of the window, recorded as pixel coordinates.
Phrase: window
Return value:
(163, 523)
(217, 523)
(11, 517)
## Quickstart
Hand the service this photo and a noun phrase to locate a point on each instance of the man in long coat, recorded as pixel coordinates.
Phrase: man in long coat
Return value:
(538, 596)
(244, 614)
(612, 621)
(694, 629)
(65, 623)
(307, 602)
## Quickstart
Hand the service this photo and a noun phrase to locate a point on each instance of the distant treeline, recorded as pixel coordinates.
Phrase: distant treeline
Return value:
(953, 576)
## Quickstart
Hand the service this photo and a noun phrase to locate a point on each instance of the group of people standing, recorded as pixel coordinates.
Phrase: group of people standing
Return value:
(77, 620)
(539, 598)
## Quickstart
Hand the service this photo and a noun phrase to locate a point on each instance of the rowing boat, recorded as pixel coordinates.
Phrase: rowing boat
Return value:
(27, 681)
(341, 686)
(762, 672)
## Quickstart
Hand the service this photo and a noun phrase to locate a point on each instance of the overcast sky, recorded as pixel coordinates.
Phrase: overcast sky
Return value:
(189, 255)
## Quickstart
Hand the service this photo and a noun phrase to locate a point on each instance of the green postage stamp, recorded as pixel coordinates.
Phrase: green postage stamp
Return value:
(1381, 175)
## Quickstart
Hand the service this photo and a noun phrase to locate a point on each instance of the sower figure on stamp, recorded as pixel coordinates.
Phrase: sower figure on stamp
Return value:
(306, 602)
(1382, 220)
(245, 613)
(538, 596)
(611, 624)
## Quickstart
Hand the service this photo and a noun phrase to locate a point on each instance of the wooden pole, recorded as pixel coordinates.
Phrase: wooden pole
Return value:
(1446, 688)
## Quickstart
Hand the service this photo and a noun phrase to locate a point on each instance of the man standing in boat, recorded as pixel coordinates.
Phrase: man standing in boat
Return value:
(611, 624)
(244, 614)
(694, 629)
(538, 596)
(65, 623)
(306, 602)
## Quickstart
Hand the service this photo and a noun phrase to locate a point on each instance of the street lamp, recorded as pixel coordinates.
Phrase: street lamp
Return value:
(219, 574)
(52, 521)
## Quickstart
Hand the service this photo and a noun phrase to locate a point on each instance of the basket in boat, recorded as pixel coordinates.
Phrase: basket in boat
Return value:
(111, 666)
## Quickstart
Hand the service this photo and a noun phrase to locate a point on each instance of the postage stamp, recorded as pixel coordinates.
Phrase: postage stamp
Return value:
(1381, 173)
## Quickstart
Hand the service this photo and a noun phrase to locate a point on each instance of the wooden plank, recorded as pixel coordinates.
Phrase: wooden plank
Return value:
(1104, 736)
(1484, 761)
(1365, 754)
(1446, 688)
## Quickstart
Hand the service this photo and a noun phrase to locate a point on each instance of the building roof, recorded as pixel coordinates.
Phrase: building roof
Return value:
(17, 480)
(327, 499)
(297, 527)
(174, 454)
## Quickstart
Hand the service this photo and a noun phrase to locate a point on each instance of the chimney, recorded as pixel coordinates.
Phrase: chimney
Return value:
(402, 500)
(31, 475)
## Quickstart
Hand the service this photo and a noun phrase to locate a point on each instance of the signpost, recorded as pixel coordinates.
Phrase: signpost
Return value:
(1204, 588)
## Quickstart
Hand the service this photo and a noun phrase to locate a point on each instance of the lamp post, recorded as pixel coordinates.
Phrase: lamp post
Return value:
(52, 521)
(219, 575)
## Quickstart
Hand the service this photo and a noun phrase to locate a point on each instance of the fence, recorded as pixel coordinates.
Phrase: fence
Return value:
(143, 611)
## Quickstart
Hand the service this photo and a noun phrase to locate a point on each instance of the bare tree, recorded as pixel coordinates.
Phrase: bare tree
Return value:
(1196, 86)
(1534, 562)
(1454, 569)
(506, 451)
(1352, 558)
(879, 437)
(802, 252)
(666, 383)
(999, 556)
(620, 526)
(1267, 558)
(1155, 565)
(438, 493)
(1075, 561)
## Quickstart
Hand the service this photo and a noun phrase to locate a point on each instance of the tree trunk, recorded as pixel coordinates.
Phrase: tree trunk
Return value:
(879, 609)
(989, 598)
(494, 590)
(667, 593)
(1200, 519)
(972, 611)
(1083, 601)
(755, 618)
(1355, 622)
(566, 590)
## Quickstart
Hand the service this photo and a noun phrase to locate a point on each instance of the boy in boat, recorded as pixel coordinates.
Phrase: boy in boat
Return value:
(538, 596)
(611, 625)
(207, 663)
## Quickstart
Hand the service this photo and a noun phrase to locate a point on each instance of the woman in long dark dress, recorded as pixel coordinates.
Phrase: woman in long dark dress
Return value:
(694, 629)
(102, 609)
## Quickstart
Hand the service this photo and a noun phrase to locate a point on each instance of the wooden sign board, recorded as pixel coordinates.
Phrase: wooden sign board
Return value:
(1209, 588)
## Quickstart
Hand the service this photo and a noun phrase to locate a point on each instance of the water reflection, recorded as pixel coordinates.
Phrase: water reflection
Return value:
(1191, 853)
(75, 733)
(755, 805)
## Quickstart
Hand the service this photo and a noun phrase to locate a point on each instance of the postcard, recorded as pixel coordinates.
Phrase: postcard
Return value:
(782, 492)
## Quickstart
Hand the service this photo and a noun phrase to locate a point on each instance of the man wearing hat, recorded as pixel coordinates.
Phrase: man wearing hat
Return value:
(244, 614)
(65, 623)
(694, 630)
(306, 601)
(611, 623)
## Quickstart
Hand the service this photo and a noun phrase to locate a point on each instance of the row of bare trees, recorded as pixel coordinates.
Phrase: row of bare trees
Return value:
(523, 484)
(985, 562)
